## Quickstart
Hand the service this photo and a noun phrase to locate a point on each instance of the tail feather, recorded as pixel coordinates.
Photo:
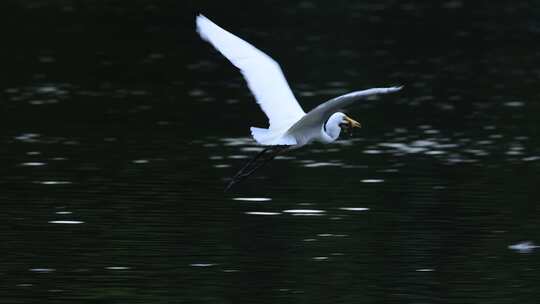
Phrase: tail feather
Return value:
(269, 137)
(259, 134)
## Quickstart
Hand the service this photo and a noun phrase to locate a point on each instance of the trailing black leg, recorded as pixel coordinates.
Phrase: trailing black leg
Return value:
(255, 163)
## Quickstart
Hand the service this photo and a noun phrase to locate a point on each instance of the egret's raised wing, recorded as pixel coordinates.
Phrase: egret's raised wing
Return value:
(263, 74)
(318, 116)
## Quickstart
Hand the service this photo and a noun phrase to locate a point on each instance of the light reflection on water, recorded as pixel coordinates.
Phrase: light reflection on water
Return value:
(524, 247)
(262, 213)
(65, 222)
(252, 199)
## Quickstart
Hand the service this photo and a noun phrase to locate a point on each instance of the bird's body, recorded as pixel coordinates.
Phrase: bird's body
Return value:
(289, 125)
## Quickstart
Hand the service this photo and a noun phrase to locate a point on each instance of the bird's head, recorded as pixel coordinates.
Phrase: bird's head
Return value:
(340, 122)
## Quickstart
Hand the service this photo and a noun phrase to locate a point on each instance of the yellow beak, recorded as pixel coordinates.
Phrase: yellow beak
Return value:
(352, 123)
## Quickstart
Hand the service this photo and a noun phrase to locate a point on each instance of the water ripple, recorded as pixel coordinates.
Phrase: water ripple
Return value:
(262, 213)
(252, 199)
(304, 211)
(524, 247)
(354, 209)
(64, 222)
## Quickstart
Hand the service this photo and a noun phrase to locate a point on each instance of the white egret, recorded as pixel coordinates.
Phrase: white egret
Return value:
(289, 126)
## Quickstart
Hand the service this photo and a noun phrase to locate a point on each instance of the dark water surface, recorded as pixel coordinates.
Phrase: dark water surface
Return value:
(120, 129)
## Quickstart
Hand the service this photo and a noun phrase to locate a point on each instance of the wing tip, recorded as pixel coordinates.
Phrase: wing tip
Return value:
(202, 24)
(200, 18)
(396, 88)
(393, 89)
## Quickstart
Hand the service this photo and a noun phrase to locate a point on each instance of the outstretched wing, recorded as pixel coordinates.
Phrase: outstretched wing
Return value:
(263, 74)
(318, 116)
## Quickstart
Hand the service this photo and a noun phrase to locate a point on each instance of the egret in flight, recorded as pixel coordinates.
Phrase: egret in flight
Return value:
(289, 126)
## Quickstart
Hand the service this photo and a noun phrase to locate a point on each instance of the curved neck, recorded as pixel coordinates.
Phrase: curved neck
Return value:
(330, 131)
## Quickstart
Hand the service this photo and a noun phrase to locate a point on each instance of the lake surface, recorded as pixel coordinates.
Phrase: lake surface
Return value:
(121, 128)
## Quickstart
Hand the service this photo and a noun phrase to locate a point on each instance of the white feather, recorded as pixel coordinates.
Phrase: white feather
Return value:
(263, 76)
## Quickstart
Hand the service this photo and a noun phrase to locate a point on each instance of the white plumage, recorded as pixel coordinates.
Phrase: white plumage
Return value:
(289, 124)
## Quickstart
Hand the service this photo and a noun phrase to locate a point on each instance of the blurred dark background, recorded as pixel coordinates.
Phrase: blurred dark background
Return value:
(120, 128)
